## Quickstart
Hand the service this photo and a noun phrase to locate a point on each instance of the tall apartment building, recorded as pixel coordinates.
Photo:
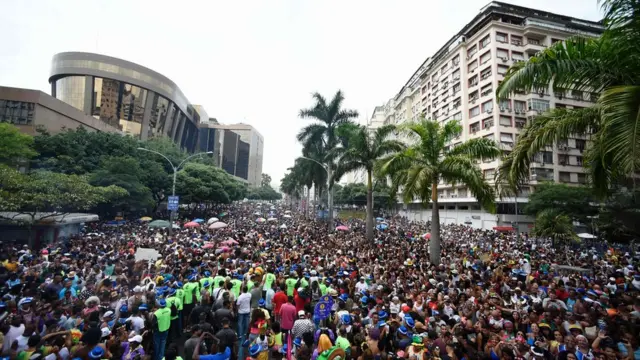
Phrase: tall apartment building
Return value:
(459, 82)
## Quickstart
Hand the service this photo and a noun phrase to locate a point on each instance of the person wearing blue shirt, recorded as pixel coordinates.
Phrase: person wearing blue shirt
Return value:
(225, 355)
(67, 287)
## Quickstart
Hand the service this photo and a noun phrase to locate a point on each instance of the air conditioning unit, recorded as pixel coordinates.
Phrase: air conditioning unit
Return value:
(563, 162)
(489, 111)
(541, 93)
(502, 108)
(504, 60)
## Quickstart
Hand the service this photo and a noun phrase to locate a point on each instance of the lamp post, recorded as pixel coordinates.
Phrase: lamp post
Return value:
(175, 173)
(327, 169)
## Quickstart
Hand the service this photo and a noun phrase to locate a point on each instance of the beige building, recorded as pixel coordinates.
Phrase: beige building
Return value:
(459, 82)
(30, 109)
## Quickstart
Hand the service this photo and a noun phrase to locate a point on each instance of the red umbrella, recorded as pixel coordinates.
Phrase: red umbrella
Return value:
(208, 246)
(191, 224)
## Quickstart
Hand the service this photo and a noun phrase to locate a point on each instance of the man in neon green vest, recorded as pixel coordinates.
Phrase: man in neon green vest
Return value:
(191, 296)
(162, 324)
(291, 283)
(267, 281)
(218, 281)
(237, 284)
(174, 300)
(206, 279)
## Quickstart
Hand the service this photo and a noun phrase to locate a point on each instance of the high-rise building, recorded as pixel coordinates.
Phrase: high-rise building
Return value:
(238, 149)
(127, 96)
(459, 82)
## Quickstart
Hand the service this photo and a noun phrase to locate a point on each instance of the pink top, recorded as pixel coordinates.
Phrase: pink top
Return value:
(288, 316)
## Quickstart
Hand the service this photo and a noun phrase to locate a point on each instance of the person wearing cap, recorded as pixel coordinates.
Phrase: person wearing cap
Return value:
(175, 304)
(216, 352)
(191, 297)
(132, 347)
(161, 325)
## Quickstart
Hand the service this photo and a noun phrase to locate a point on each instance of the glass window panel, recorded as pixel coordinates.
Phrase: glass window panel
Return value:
(131, 109)
(106, 93)
(70, 89)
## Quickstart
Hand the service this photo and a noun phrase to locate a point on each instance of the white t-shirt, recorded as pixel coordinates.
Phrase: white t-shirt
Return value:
(361, 286)
(22, 343)
(137, 323)
(13, 333)
(244, 303)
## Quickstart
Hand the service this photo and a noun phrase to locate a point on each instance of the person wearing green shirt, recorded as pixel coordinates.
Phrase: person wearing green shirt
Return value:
(191, 295)
(206, 279)
(162, 320)
(323, 288)
(269, 278)
(218, 280)
(175, 319)
(180, 295)
(250, 284)
(237, 284)
(304, 283)
(291, 284)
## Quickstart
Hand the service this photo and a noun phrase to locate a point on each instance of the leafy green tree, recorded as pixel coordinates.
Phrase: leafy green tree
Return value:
(124, 172)
(605, 68)
(352, 194)
(554, 225)
(291, 186)
(365, 149)
(14, 145)
(324, 133)
(577, 202)
(428, 159)
(49, 192)
(266, 180)
(266, 193)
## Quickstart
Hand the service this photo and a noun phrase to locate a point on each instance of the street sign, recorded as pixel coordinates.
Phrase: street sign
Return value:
(172, 203)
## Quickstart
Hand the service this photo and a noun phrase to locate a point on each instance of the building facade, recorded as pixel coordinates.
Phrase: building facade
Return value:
(237, 148)
(132, 98)
(459, 82)
(32, 109)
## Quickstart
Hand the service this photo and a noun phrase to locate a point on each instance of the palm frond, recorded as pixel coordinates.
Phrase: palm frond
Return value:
(477, 149)
(461, 169)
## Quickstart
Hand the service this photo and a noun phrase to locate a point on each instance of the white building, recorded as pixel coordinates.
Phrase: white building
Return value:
(459, 82)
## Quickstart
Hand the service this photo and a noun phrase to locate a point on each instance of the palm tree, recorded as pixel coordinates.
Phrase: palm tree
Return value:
(290, 185)
(428, 159)
(608, 70)
(364, 150)
(324, 131)
(554, 225)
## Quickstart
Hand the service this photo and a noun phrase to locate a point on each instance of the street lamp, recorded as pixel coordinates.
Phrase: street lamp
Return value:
(175, 172)
(327, 169)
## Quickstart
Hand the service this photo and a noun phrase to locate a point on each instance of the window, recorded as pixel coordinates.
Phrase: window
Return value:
(582, 178)
(473, 81)
(473, 128)
(520, 123)
(563, 159)
(506, 138)
(17, 112)
(472, 66)
(543, 174)
(472, 51)
(579, 160)
(486, 73)
(581, 144)
(457, 116)
(501, 37)
(486, 90)
(544, 157)
(519, 106)
(517, 56)
(489, 174)
(564, 176)
(475, 111)
(502, 69)
(455, 61)
(487, 107)
(487, 123)
(538, 105)
(473, 96)
(444, 68)
(505, 104)
(71, 90)
(456, 88)
(456, 74)
(533, 41)
(505, 120)
(502, 54)
(485, 42)
(553, 41)
(516, 40)
(485, 57)
(434, 77)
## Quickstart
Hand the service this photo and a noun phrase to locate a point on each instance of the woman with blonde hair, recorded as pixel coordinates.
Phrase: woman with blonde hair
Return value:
(324, 343)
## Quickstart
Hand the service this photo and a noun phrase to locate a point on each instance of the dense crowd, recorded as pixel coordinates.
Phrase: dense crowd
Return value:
(287, 288)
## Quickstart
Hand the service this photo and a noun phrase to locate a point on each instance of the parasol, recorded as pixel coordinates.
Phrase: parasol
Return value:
(218, 225)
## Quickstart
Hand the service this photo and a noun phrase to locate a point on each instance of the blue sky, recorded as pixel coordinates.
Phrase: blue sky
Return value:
(250, 61)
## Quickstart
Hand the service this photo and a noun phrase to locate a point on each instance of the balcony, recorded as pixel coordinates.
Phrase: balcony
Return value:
(520, 124)
(486, 92)
(533, 46)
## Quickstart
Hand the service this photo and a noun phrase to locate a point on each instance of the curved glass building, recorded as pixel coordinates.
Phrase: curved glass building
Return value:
(126, 96)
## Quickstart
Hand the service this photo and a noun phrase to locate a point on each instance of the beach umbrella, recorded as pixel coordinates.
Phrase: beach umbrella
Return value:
(175, 226)
(208, 246)
(272, 219)
(283, 226)
(212, 220)
(191, 224)
(379, 219)
(342, 228)
(426, 236)
(257, 213)
(261, 220)
(288, 212)
(198, 220)
(382, 226)
(287, 216)
(146, 218)
(218, 225)
(159, 224)
(224, 248)
(232, 241)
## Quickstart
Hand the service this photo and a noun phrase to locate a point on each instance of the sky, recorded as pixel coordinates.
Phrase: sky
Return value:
(256, 62)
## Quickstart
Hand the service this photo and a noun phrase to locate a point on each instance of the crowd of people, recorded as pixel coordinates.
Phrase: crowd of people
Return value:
(287, 288)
